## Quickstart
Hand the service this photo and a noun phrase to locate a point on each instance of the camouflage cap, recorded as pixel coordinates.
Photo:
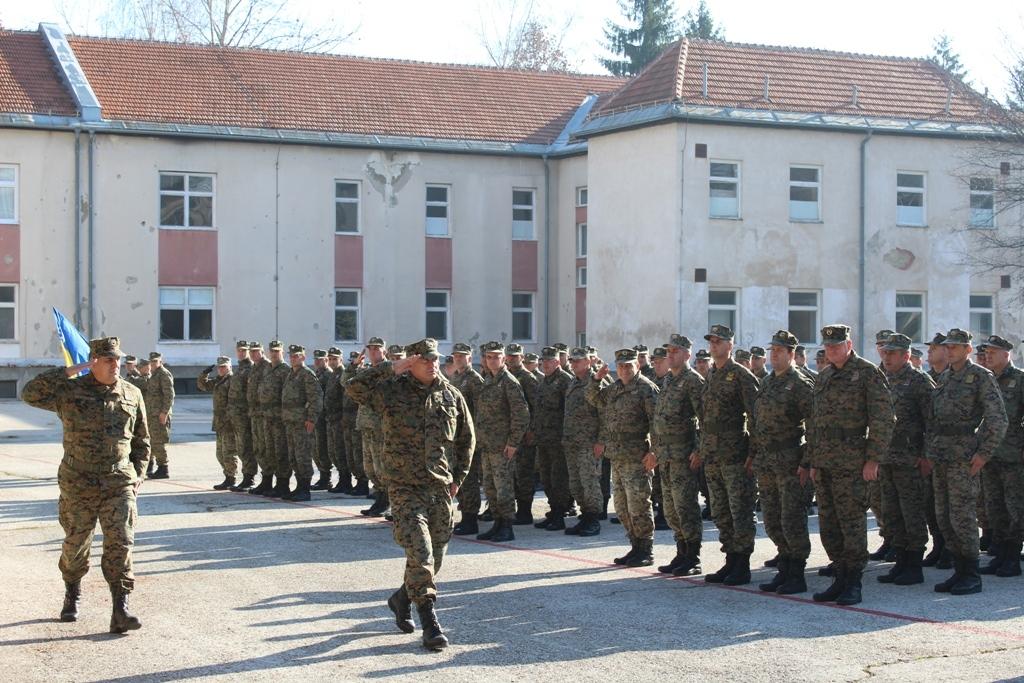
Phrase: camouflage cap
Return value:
(679, 341)
(105, 347)
(395, 349)
(532, 357)
(703, 355)
(757, 352)
(957, 336)
(296, 348)
(492, 347)
(721, 331)
(143, 362)
(353, 355)
(578, 353)
(255, 346)
(319, 353)
(591, 350)
(835, 334)
(625, 356)
(981, 349)
(241, 344)
(276, 345)
(741, 355)
(549, 353)
(641, 348)
(562, 347)
(463, 348)
(787, 339)
(376, 341)
(882, 336)
(916, 352)
(449, 360)
(998, 342)
(820, 355)
(937, 340)
(659, 352)
(424, 348)
(800, 348)
(514, 350)
(897, 342)
(153, 355)
(131, 359)
(223, 360)
(334, 352)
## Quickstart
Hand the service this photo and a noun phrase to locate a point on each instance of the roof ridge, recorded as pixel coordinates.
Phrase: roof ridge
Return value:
(684, 47)
(809, 50)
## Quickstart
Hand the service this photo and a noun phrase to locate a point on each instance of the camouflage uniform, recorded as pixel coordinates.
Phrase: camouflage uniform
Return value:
(238, 414)
(227, 452)
(321, 452)
(502, 418)
(468, 383)
(1003, 475)
(262, 440)
(368, 426)
(550, 406)
(270, 406)
(159, 397)
(353, 439)
(580, 433)
(334, 402)
(301, 402)
(526, 458)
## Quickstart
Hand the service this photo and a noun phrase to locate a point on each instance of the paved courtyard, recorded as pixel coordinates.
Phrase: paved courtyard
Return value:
(232, 586)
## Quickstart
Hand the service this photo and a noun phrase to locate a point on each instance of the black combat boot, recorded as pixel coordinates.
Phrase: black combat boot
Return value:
(985, 542)
(690, 566)
(1011, 561)
(719, 576)
(265, 486)
(399, 604)
(660, 523)
(739, 575)
(524, 512)
(882, 551)
(780, 576)
(946, 559)
(281, 489)
(543, 523)
(795, 581)
(557, 521)
(323, 483)
(487, 515)
(851, 594)
(504, 532)
(377, 508)
(72, 596)
(644, 556)
(604, 511)
(628, 556)
(946, 585)
(774, 562)
(466, 526)
(828, 570)
(675, 561)
(151, 468)
(938, 543)
(574, 530)
(969, 581)
(301, 492)
(433, 636)
(836, 589)
(229, 482)
(589, 526)
(992, 566)
(244, 485)
(361, 489)
(896, 570)
(911, 574)
(343, 487)
(160, 473)
(489, 534)
(121, 621)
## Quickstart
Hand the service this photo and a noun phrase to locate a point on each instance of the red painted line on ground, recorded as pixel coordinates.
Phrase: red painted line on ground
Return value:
(964, 628)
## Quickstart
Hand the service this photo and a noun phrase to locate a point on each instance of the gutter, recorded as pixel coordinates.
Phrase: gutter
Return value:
(91, 290)
(78, 228)
(862, 260)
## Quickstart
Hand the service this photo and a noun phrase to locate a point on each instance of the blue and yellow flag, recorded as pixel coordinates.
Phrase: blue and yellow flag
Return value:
(73, 342)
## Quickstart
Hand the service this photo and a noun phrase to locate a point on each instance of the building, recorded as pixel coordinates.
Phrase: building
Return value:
(183, 196)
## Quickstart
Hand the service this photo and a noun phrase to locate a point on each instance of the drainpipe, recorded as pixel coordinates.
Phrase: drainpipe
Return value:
(862, 262)
(547, 249)
(277, 244)
(92, 230)
(78, 228)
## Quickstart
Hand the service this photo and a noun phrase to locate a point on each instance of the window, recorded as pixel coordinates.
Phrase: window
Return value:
(722, 308)
(581, 339)
(522, 316)
(186, 200)
(437, 314)
(804, 195)
(725, 190)
(581, 240)
(8, 193)
(581, 196)
(8, 312)
(910, 199)
(346, 315)
(803, 316)
(186, 314)
(983, 203)
(982, 310)
(346, 206)
(581, 276)
(910, 315)
(522, 214)
(437, 211)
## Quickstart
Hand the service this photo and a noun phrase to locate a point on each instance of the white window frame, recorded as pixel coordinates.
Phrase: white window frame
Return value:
(922, 309)
(357, 200)
(530, 310)
(358, 308)
(186, 194)
(582, 196)
(13, 220)
(581, 239)
(447, 310)
(816, 308)
(923, 191)
(447, 204)
(185, 308)
(991, 194)
(734, 307)
(532, 206)
(12, 305)
(805, 183)
(581, 277)
(581, 339)
(737, 181)
(990, 310)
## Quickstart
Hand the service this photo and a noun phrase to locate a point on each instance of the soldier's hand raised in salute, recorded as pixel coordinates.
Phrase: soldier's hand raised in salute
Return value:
(603, 372)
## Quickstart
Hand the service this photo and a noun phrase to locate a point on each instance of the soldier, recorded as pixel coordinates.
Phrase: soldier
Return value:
(468, 381)
(353, 439)
(502, 419)
(270, 406)
(674, 436)
(130, 370)
(262, 440)
(449, 367)
(159, 397)
(106, 448)
(563, 356)
(981, 353)
(902, 467)
(429, 441)
(917, 358)
(938, 360)
(531, 361)
(643, 359)
(581, 426)
(702, 363)
(526, 458)
(659, 361)
(396, 352)
(368, 424)
(333, 408)
(727, 405)
(758, 360)
(782, 411)
(741, 357)
(627, 407)
(554, 473)
(301, 405)
(851, 428)
(820, 361)
(238, 416)
(143, 373)
(800, 359)
(227, 452)
(321, 454)
(1003, 476)
(939, 557)
(874, 488)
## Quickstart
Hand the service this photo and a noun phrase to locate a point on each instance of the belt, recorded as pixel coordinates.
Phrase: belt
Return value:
(722, 426)
(783, 444)
(842, 433)
(79, 465)
(954, 430)
(911, 440)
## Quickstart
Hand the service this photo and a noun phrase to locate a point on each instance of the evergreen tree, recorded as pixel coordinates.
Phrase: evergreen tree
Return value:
(945, 57)
(648, 27)
(700, 24)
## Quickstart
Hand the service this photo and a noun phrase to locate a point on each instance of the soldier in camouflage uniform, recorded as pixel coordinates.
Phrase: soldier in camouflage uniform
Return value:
(321, 454)
(874, 488)
(139, 380)
(238, 416)
(758, 359)
(740, 357)
(801, 362)
(1003, 475)
(550, 405)
(502, 418)
(526, 458)
(468, 381)
(643, 361)
(531, 361)
(939, 557)
(627, 410)
(903, 468)
(334, 393)
(368, 424)
(563, 356)
(262, 446)
(581, 427)
(106, 449)
(227, 451)
(302, 402)
(659, 361)
(130, 363)
(353, 439)
(674, 434)
(270, 406)
(428, 444)
(727, 408)
(851, 429)
(782, 411)
(159, 397)
(702, 363)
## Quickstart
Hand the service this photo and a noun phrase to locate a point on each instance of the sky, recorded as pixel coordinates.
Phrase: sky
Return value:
(987, 36)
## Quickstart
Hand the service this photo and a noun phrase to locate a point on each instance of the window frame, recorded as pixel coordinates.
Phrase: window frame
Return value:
(582, 196)
(972, 193)
(186, 308)
(358, 308)
(185, 195)
(737, 181)
(447, 204)
(581, 277)
(816, 308)
(923, 191)
(581, 228)
(990, 310)
(358, 201)
(533, 317)
(803, 183)
(447, 310)
(734, 307)
(14, 184)
(922, 309)
(533, 213)
(581, 339)
(14, 306)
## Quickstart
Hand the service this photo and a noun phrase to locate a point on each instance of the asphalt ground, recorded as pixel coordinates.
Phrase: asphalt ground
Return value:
(240, 587)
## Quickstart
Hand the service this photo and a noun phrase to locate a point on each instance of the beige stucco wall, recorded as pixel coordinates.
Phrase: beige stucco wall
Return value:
(571, 173)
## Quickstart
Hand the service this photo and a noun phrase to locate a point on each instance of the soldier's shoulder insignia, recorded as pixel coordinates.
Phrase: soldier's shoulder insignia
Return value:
(789, 387)
(730, 377)
(1012, 383)
(855, 376)
(969, 379)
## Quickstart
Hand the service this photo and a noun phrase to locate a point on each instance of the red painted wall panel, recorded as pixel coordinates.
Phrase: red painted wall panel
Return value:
(524, 265)
(348, 261)
(438, 265)
(188, 257)
(581, 214)
(10, 253)
(581, 309)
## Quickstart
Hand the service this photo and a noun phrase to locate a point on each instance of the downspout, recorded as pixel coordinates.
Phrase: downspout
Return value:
(547, 249)
(277, 243)
(862, 262)
(78, 228)
(92, 241)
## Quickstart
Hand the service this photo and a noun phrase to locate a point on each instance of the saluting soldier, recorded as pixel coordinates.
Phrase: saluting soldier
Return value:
(226, 450)
(368, 424)
(238, 415)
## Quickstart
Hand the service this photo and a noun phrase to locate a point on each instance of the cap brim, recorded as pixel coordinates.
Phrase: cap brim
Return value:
(430, 355)
(834, 342)
(891, 347)
(709, 337)
(785, 346)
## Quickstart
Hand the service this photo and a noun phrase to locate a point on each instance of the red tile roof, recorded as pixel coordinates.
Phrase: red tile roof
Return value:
(799, 80)
(29, 82)
(167, 82)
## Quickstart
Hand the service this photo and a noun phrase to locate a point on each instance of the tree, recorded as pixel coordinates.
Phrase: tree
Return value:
(515, 37)
(946, 58)
(649, 26)
(1015, 89)
(700, 24)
